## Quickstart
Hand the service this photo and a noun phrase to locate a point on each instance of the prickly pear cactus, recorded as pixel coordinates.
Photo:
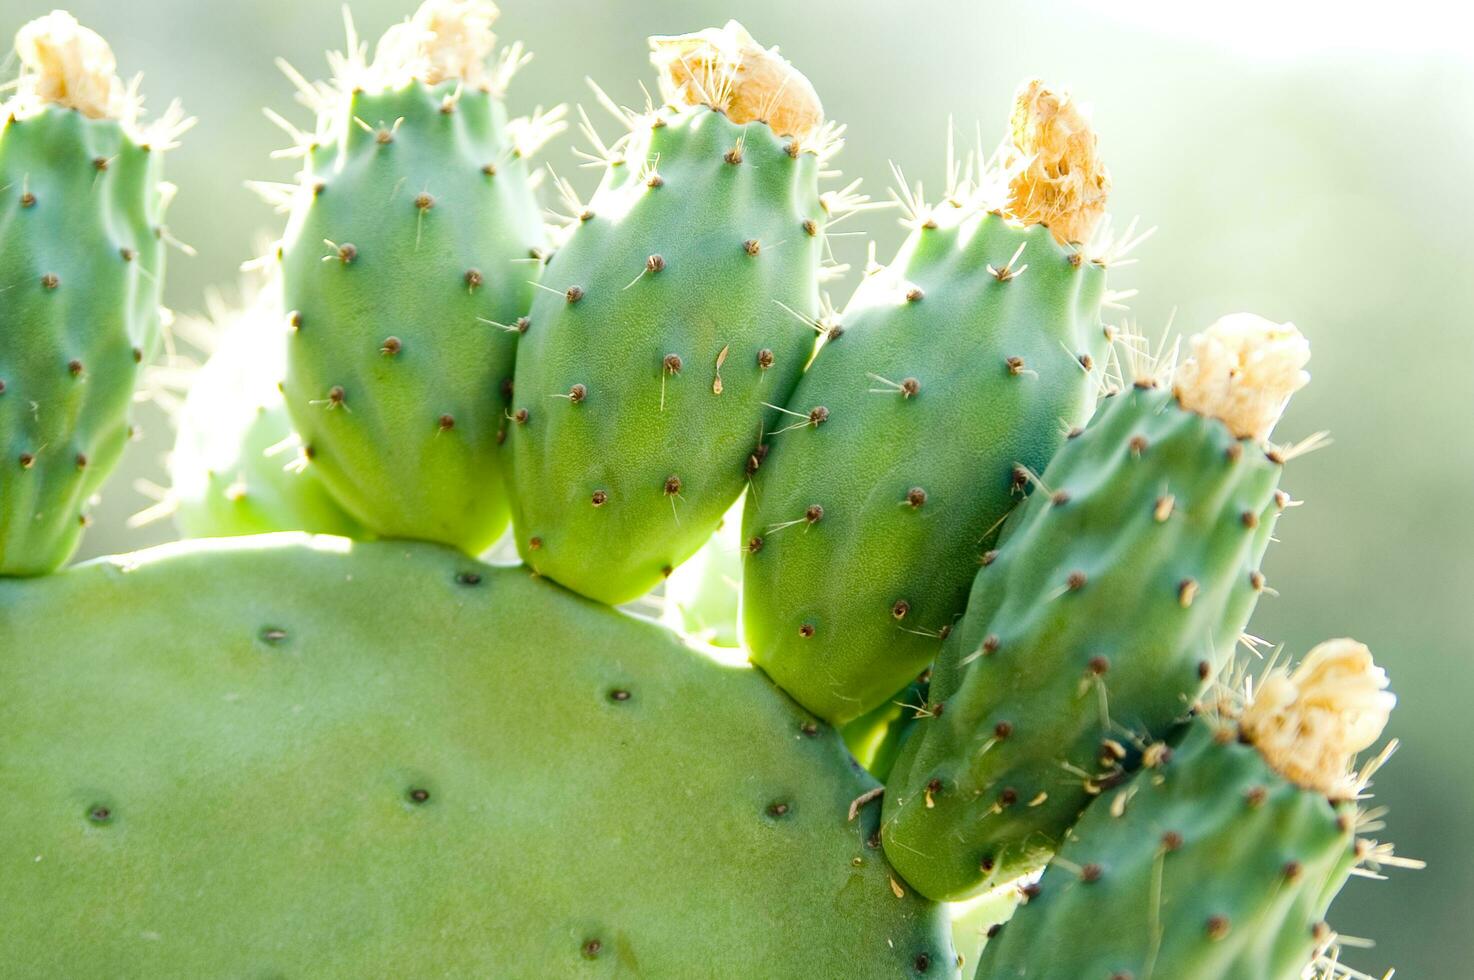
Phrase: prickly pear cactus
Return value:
(671, 322)
(360, 762)
(966, 358)
(237, 466)
(81, 262)
(1121, 589)
(310, 755)
(410, 253)
(1218, 861)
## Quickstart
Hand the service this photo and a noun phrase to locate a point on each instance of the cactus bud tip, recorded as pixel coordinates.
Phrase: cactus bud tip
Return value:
(1310, 723)
(728, 70)
(445, 40)
(1243, 370)
(1055, 175)
(66, 64)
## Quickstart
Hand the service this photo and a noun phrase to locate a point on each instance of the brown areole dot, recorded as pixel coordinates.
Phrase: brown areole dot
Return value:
(347, 253)
(127, 254)
(1250, 519)
(81, 461)
(446, 423)
(1076, 581)
(818, 416)
(672, 485)
(806, 630)
(1099, 665)
(391, 346)
(733, 156)
(754, 545)
(777, 809)
(534, 543)
(137, 354)
(764, 359)
(50, 280)
(599, 498)
(1217, 926)
(574, 294)
(473, 278)
(990, 644)
(1015, 365)
(1090, 873)
(577, 393)
(810, 227)
(751, 246)
(654, 264)
(672, 363)
(27, 199)
(655, 181)
(915, 497)
(814, 514)
(520, 416)
(900, 609)
(988, 557)
(1003, 729)
(74, 368)
(915, 294)
(1171, 841)
(522, 323)
(1137, 445)
(1087, 362)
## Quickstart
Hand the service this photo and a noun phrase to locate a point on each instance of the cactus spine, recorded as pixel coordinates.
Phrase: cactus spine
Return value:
(1120, 589)
(82, 262)
(966, 359)
(1217, 861)
(669, 325)
(411, 249)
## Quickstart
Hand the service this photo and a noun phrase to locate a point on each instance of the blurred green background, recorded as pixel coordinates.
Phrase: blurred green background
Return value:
(1306, 165)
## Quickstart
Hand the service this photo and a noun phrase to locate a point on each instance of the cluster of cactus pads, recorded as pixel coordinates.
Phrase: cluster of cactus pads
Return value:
(956, 577)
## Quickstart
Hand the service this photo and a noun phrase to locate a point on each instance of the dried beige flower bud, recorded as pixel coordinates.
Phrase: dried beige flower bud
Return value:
(728, 70)
(445, 40)
(1055, 176)
(1243, 370)
(65, 64)
(1310, 723)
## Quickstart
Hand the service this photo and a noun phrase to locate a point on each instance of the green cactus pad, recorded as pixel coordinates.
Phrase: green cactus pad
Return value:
(236, 466)
(396, 373)
(81, 267)
(292, 756)
(644, 380)
(1121, 587)
(953, 369)
(1212, 867)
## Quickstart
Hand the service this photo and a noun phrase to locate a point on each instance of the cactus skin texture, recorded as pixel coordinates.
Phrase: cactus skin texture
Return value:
(236, 466)
(82, 259)
(947, 376)
(394, 381)
(1211, 867)
(1120, 588)
(664, 318)
(359, 763)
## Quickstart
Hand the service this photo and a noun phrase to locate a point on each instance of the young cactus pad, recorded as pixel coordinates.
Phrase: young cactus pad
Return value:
(370, 759)
(670, 324)
(964, 360)
(237, 466)
(1219, 860)
(81, 263)
(412, 246)
(1119, 590)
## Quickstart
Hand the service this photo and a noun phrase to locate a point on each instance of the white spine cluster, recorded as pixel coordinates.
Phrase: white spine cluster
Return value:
(1310, 723)
(728, 70)
(1243, 370)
